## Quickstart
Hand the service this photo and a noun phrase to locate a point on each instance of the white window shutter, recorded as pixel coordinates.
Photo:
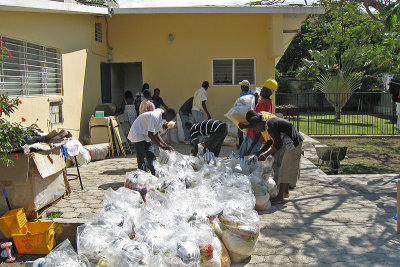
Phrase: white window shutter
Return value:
(244, 70)
(222, 72)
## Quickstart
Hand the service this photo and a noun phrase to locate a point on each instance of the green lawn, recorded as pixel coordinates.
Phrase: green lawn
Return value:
(350, 124)
(367, 155)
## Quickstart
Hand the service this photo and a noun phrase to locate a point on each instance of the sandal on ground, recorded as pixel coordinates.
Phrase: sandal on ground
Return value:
(277, 201)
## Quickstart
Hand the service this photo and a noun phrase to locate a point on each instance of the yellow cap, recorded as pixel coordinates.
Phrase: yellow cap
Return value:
(271, 84)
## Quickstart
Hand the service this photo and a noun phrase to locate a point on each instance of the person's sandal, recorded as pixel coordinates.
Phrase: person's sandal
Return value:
(277, 201)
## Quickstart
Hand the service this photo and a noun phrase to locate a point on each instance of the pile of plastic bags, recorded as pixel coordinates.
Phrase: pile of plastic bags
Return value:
(191, 214)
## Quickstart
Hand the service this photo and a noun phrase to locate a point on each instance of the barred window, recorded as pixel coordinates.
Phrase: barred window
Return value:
(56, 114)
(98, 32)
(32, 69)
(233, 71)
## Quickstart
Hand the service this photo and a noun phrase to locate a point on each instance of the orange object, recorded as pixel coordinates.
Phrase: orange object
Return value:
(35, 238)
(12, 221)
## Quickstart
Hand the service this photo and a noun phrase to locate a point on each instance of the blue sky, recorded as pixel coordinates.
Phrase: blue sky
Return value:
(161, 3)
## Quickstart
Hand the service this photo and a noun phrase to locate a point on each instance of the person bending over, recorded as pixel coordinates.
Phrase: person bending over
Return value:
(217, 130)
(145, 132)
(285, 138)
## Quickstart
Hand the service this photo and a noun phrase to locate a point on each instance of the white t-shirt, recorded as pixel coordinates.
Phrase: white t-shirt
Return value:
(199, 96)
(147, 122)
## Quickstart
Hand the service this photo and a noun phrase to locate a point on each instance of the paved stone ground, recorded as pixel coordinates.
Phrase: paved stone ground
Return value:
(342, 220)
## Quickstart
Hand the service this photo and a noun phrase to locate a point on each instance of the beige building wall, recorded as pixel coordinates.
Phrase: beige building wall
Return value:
(179, 68)
(81, 57)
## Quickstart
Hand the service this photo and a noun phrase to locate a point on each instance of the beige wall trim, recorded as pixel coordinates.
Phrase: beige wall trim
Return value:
(222, 9)
(50, 7)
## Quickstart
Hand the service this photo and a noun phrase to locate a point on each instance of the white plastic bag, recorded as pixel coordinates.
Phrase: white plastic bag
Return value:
(241, 106)
(64, 255)
(93, 239)
(73, 146)
(83, 157)
(272, 188)
(140, 181)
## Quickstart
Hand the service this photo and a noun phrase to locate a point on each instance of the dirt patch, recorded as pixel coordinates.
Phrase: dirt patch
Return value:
(367, 155)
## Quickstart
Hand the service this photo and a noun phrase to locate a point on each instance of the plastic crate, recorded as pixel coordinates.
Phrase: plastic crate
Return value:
(35, 238)
(12, 221)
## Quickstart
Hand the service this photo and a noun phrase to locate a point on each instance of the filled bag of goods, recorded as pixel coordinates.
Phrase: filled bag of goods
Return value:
(93, 239)
(238, 112)
(98, 151)
(65, 255)
(260, 190)
(210, 256)
(125, 252)
(272, 188)
(140, 181)
(240, 234)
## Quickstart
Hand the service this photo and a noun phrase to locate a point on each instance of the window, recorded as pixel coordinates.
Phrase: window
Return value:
(233, 71)
(56, 115)
(32, 70)
(98, 32)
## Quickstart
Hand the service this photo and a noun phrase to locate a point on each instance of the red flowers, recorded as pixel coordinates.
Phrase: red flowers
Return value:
(16, 156)
(17, 101)
(23, 119)
(9, 54)
(1, 109)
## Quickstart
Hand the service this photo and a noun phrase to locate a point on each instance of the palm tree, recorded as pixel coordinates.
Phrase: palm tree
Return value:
(338, 85)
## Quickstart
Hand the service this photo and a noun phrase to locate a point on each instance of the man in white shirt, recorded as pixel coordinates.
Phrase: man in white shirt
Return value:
(199, 104)
(145, 131)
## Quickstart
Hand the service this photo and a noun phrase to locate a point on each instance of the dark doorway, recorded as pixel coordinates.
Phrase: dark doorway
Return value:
(116, 78)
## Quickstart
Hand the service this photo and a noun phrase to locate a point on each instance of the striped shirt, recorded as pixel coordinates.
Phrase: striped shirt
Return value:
(204, 128)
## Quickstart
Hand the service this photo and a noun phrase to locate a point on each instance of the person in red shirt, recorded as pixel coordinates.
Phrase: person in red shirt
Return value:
(253, 141)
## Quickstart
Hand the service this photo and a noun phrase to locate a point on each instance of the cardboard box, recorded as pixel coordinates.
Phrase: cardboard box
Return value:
(35, 180)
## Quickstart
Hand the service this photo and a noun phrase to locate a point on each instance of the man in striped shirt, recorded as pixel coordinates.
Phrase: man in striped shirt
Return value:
(217, 130)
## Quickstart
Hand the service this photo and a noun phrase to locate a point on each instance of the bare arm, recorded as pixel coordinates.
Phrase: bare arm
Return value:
(265, 147)
(205, 109)
(241, 126)
(255, 141)
(163, 104)
(264, 155)
(156, 139)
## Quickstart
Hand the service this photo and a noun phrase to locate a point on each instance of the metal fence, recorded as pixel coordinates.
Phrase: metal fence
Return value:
(363, 113)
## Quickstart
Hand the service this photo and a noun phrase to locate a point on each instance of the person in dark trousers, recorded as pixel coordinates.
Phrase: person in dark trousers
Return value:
(285, 138)
(145, 132)
(184, 112)
(217, 130)
(157, 100)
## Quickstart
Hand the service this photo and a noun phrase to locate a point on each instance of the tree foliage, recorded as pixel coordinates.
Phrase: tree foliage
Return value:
(367, 30)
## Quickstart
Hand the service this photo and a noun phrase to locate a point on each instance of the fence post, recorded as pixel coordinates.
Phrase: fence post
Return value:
(308, 113)
(393, 117)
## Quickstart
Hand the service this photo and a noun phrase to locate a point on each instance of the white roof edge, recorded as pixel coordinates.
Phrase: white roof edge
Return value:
(222, 9)
(50, 7)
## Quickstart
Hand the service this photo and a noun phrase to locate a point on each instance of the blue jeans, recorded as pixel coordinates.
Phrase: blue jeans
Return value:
(246, 145)
(145, 150)
(184, 119)
(198, 116)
